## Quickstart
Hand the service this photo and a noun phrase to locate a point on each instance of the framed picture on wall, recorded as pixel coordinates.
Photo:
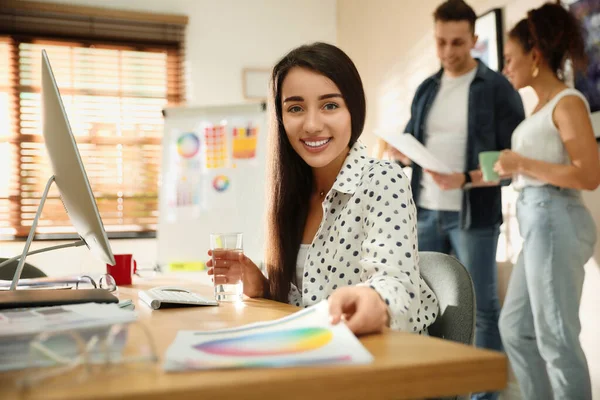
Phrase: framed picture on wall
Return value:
(255, 83)
(489, 47)
(587, 12)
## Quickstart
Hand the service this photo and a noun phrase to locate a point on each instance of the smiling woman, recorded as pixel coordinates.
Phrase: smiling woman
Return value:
(316, 119)
(341, 227)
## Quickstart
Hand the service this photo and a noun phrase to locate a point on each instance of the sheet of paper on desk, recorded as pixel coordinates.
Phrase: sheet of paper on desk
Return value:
(413, 149)
(44, 283)
(31, 321)
(301, 339)
(19, 327)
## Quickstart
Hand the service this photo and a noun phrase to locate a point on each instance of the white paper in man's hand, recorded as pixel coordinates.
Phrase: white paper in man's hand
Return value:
(413, 149)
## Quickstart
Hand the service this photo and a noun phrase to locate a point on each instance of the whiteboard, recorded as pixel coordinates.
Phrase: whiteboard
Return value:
(185, 225)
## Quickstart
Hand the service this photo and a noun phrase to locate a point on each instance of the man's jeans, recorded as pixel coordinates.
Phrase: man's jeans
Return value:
(476, 249)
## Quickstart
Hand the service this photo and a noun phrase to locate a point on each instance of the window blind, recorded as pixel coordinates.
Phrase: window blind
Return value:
(113, 94)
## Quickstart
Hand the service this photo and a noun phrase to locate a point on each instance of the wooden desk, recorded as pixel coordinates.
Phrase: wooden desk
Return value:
(406, 366)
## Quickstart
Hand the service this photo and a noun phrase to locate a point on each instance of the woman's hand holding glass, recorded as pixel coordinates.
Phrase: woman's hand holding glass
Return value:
(229, 266)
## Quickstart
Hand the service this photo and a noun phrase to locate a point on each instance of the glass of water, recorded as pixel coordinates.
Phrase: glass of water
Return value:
(228, 270)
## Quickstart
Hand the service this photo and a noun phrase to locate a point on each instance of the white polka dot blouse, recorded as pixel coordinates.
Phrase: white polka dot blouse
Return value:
(368, 237)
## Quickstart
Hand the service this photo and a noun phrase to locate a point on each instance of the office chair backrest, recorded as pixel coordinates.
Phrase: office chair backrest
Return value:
(7, 272)
(453, 286)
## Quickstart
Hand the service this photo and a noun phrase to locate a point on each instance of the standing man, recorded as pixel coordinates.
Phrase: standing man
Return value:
(462, 110)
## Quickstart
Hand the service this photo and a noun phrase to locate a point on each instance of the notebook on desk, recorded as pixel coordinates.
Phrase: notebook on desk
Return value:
(53, 297)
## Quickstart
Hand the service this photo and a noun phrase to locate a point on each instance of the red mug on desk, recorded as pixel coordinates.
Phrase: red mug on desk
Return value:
(124, 268)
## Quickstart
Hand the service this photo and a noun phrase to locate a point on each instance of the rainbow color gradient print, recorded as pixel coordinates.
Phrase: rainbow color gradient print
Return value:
(302, 339)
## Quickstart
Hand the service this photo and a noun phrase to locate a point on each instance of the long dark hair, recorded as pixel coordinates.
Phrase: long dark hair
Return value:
(555, 33)
(290, 179)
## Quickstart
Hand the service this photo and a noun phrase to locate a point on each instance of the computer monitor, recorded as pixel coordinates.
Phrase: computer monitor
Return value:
(78, 199)
(69, 173)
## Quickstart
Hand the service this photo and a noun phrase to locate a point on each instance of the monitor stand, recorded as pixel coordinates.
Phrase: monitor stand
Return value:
(14, 298)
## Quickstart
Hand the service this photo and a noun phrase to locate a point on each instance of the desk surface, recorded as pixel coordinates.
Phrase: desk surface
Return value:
(406, 366)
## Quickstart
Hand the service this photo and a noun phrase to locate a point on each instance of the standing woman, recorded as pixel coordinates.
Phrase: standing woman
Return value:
(554, 155)
(341, 226)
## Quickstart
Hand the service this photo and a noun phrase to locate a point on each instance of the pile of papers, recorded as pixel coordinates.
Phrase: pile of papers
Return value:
(20, 328)
(301, 339)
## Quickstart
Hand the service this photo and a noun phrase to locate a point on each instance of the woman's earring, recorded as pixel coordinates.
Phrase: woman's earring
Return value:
(535, 72)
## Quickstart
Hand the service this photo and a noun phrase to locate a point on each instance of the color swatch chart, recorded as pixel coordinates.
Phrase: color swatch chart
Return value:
(215, 139)
(301, 339)
(244, 142)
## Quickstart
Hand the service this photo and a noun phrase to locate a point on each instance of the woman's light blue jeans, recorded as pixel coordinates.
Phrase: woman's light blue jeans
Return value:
(539, 323)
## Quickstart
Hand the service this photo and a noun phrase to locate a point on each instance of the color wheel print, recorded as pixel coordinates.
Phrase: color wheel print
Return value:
(188, 145)
(269, 343)
(221, 183)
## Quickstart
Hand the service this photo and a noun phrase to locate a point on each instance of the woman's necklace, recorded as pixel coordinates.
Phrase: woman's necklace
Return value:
(547, 98)
(550, 93)
(545, 101)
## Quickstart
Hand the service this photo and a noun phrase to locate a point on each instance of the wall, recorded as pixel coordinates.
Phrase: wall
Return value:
(391, 42)
(222, 37)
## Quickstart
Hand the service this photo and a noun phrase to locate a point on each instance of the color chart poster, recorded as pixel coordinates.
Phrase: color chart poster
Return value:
(223, 187)
(230, 143)
(184, 181)
(304, 338)
(244, 143)
(216, 149)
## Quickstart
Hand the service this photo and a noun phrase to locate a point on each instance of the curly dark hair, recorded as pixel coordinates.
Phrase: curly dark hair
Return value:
(555, 33)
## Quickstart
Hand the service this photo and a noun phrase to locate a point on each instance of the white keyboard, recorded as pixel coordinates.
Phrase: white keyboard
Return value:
(172, 296)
